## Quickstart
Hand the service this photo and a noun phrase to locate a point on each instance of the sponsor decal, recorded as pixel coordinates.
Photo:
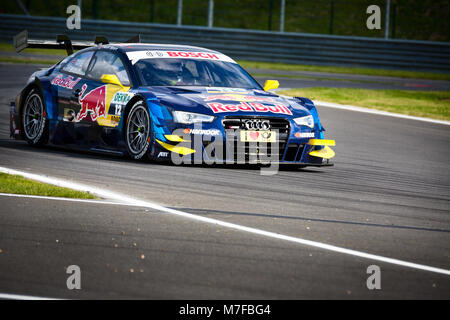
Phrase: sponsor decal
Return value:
(115, 118)
(92, 103)
(217, 107)
(163, 154)
(69, 115)
(225, 90)
(135, 56)
(184, 54)
(240, 98)
(67, 82)
(258, 136)
(206, 132)
(305, 135)
(122, 98)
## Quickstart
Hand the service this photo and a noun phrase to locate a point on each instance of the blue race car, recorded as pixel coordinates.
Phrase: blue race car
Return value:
(163, 102)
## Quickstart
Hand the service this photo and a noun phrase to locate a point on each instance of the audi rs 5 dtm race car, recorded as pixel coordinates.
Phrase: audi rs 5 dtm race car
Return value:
(163, 102)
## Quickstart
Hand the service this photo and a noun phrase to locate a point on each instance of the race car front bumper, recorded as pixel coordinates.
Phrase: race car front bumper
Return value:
(312, 152)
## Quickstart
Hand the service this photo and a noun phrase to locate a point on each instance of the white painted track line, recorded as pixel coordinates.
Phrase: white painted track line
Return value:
(7, 296)
(147, 204)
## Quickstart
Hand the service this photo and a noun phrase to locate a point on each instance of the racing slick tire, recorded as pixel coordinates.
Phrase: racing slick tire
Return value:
(34, 118)
(137, 131)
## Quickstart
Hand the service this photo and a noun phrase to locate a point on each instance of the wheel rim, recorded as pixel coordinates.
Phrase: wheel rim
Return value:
(33, 116)
(138, 130)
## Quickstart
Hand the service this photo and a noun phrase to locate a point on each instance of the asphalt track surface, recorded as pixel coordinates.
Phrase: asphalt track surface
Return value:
(388, 194)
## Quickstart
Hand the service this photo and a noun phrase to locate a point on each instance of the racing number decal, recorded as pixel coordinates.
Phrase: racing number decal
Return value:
(118, 110)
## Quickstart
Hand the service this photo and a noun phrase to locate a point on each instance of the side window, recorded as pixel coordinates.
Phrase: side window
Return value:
(105, 62)
(192, 67)
(79, 63)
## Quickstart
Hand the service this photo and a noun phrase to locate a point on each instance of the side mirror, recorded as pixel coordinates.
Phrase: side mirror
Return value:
(271, 84)
(111, 78)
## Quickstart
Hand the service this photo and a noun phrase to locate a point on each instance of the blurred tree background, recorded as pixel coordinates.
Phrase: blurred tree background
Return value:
(409, 19)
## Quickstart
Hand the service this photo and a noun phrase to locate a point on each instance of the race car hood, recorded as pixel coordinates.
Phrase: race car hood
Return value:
(228, 101)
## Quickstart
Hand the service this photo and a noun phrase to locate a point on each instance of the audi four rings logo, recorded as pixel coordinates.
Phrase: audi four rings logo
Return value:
(257, 124)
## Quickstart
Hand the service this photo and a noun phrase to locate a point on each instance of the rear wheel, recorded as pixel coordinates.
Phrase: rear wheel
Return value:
(137, 134)
(34, 119)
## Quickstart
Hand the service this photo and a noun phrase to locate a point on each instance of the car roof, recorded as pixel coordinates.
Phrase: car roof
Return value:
(128, 47)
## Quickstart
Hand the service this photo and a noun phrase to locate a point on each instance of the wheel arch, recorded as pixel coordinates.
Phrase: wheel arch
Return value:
(36, 84)
(130, 103)
(43, 134)
(125, 115)
(127, 109)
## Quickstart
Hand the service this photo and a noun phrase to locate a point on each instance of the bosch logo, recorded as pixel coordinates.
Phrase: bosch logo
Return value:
(257, 124)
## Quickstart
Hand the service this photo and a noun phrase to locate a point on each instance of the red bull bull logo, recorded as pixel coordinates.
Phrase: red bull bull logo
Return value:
(92, 103)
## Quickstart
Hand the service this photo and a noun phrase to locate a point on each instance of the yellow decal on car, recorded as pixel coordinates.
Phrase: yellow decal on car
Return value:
(176, 149)
(326, 153)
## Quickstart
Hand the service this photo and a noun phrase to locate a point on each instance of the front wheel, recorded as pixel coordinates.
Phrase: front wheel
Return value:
(137, 133)
(34, 119)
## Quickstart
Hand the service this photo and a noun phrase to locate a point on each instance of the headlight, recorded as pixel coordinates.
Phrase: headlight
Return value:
(190, 117)
(305, 121)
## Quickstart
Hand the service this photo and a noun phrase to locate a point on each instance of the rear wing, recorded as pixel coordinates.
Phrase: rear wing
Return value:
(21, 41)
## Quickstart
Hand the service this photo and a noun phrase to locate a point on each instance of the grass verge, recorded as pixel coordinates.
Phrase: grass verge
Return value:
(28, 61)
(19, 185)
(345, 70)
(56, 52)
(429, 104)
(317, 78)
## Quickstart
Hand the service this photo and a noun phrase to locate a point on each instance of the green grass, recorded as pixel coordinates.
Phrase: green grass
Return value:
(19, 185)
(6, 47)
(54, 52)
(317, 78)
(429, 104)
(346, 70)
(27, 60)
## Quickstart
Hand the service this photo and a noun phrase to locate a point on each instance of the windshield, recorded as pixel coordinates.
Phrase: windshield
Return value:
(193, 72)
